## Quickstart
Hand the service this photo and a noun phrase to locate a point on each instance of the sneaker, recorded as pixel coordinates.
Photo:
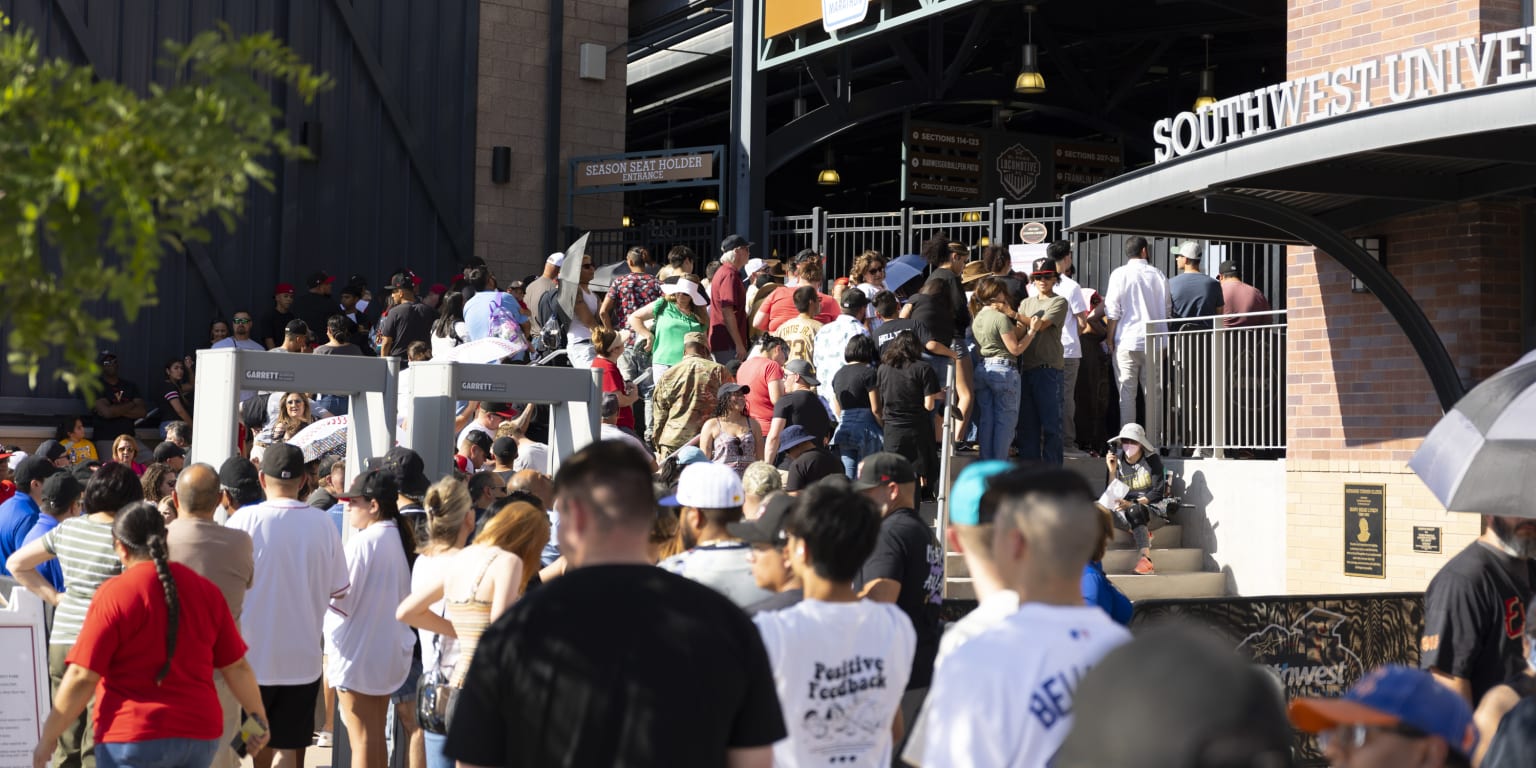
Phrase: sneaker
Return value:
(324, 740)
(1144, 566)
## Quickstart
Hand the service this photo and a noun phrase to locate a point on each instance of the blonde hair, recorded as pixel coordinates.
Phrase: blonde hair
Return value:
(521, 529)
(447, 505)
(862, 263)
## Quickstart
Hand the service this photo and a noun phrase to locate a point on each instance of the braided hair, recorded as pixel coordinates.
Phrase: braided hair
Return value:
(140, 528)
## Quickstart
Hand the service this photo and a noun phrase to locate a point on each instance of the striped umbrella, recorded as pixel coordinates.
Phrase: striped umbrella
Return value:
(326, 436)
(1481, 457)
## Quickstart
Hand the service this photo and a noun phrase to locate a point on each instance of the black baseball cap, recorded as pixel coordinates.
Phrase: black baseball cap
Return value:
(1229, 267)
(51, 450)
(409, 471)
(317, 279)
(853, 298)
(730, 388)
(768, 528)
(169, 450)
(504, 448)
(238, 474)
(480, 439)
(61, 490)
(882, 468)
(283, 461)
(33, 468)
(1044, 265)
(374, 484)
(804, 370)
(732, 242)
(296, 328)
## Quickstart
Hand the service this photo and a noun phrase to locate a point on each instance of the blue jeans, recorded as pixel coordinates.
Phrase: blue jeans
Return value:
(857, 436)
(157, 753)
(1040, 416)
(998, 392)
(436, 743)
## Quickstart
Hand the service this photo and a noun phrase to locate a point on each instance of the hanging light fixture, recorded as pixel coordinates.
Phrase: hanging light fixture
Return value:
(1030, 81)
(970, 217)
(829, 177)
(627, 222)
(709, 205)
(1207, 95)
(984, 241)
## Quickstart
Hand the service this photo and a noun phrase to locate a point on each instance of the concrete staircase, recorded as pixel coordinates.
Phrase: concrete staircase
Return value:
(1181, 571)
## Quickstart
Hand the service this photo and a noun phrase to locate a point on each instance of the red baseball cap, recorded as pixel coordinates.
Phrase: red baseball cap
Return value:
(283, 288)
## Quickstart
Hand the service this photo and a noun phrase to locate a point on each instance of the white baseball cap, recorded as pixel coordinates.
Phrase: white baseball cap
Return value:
(705, 485)
(555, 259)
(753, 265)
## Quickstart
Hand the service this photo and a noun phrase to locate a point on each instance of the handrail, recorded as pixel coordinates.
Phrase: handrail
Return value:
(1169, 320)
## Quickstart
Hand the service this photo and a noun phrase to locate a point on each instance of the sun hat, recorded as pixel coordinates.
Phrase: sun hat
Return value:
(685, 286)
(1133, 431)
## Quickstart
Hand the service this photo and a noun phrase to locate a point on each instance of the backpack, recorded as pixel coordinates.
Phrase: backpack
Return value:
(556, 321)
(504, 326)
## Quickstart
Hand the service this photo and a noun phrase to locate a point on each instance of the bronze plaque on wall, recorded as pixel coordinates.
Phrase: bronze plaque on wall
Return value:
(1364, 551)
(1426, 539)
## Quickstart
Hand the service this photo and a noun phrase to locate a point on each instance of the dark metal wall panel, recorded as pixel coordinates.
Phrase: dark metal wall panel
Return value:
(362, 206)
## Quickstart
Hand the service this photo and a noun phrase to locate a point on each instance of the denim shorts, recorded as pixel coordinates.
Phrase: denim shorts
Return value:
(407, 690)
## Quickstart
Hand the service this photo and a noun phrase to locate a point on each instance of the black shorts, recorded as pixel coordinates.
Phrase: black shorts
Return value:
(291, 713)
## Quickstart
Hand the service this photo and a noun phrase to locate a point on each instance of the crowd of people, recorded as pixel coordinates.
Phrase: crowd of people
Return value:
(737, 572)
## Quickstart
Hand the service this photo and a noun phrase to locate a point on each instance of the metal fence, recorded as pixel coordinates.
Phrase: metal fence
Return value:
(841, 237)
(607, 246)
(1221, 388)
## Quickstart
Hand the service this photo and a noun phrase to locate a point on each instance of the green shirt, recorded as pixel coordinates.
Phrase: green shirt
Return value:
(1045, 350)
(672, 324)
(989, 327)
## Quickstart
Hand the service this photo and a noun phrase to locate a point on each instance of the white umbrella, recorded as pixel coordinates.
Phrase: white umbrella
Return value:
(1481, 456)
(487, 350)
(326, 436)
(570, 274)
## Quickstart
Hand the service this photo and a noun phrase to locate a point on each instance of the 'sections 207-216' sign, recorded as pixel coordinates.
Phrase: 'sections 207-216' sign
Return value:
(1494, 58)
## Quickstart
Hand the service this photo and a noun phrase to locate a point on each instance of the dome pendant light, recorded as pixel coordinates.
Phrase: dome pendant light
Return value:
(1207, 94)
(829, 177)
(1030, 81)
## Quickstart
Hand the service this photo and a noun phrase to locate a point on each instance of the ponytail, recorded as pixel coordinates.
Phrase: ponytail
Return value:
(140, 528)
(390, 510)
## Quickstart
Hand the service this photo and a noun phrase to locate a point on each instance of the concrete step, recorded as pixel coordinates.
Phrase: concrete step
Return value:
(1180, 560)
(1171, 585)
(1170, 536)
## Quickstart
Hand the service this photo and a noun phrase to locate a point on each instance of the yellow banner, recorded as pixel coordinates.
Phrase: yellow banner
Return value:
(780, 16)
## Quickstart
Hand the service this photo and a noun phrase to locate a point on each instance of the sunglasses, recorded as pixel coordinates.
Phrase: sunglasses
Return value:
(242, 321)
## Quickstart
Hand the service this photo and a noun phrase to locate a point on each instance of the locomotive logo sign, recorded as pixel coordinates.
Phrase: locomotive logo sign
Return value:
(1018, 169)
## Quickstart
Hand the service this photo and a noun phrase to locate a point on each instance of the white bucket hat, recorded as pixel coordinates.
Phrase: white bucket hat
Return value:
(682, 285)
(1133, 431)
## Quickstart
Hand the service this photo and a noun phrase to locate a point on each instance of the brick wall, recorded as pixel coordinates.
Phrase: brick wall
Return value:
(1358, 400)
(509, 217)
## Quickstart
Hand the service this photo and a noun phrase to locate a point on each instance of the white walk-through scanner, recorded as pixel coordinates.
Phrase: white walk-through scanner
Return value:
(368, 382)
(429, 391)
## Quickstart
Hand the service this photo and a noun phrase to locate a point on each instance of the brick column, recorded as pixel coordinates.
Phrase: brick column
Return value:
(1358, 399)
(511, 112)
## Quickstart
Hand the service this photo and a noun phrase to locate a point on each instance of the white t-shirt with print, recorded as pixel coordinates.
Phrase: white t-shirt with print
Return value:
(366, 649)
(840, 670)
(300, 568)
(1005, 697)
(988, 613)
(721, 565)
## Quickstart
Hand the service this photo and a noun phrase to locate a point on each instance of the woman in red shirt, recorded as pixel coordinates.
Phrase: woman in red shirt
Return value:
(152, 638)
(609, 347)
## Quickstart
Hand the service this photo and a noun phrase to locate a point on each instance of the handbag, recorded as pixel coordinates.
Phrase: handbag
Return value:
(436, 696)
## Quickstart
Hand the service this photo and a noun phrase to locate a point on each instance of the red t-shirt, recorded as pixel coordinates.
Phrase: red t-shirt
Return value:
(726, 290)
(779, 308)
(123, 640)
(755, 374)
(613, 381)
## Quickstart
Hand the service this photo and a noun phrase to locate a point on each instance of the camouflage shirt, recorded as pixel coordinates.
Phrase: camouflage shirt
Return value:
(684, 399)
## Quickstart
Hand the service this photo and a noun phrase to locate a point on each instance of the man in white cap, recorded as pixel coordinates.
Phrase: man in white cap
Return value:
(711, 498)
(546, 282)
